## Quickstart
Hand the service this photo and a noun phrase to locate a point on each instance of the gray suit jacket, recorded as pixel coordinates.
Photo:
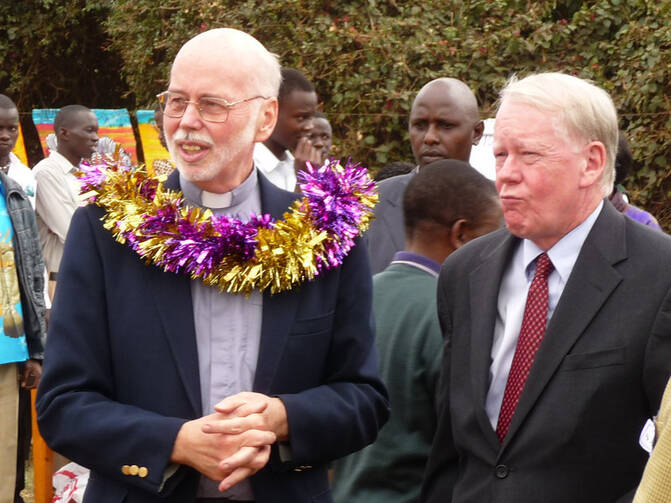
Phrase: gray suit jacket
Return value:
(386, 234)
(599, 373)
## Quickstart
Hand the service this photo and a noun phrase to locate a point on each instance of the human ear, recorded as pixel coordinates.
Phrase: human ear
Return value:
(459, 233)
(595, 164)
(478, 131)
(266, 119)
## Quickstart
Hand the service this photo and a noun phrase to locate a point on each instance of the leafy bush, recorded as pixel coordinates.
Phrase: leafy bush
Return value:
(368, 58)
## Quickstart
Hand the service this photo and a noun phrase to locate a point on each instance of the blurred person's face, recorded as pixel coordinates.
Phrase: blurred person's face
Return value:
(295, 118)
(439, 129)
(9, 132)
(82, 134)
(321, 136)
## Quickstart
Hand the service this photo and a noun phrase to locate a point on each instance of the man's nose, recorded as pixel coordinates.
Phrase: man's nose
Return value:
(507, 170)
(307, 125)
(191, 118)
(431, 136)
(4, 134)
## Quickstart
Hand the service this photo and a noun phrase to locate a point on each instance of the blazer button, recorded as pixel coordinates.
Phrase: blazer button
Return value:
(134, 469)
(502, 471)
(125, 469)
(142, 472)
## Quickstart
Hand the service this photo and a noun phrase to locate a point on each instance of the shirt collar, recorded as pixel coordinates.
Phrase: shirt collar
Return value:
(565, 252)
(199, 197)
(266, 160)
(14, 160)
(62, 162)
(418, 261)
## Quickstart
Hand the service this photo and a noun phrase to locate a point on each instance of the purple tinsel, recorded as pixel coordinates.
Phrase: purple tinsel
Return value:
(333, 198)
(197, 247)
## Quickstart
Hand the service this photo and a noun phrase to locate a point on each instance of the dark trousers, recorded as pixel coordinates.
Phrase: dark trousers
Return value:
(23, 452)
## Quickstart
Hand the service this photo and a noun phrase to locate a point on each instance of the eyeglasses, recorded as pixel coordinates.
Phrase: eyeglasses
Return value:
(210, 109)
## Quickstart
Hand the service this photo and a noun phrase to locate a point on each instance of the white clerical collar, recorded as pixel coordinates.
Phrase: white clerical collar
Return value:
(199, 197)
(212, 200)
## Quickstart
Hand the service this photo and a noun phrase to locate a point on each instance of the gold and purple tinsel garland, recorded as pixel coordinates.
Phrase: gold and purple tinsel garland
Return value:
(235, 256)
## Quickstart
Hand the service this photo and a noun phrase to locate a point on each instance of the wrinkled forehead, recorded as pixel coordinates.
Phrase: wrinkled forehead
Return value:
(524, 124)
(440, 107)
(218, 67)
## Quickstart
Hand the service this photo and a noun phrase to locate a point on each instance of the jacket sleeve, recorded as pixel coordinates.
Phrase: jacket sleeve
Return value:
(345, 412)
(31, 273)
(79, 414)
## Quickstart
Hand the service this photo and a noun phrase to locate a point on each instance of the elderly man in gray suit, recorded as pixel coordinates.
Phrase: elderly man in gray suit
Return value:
(557, 329)
(444, 124)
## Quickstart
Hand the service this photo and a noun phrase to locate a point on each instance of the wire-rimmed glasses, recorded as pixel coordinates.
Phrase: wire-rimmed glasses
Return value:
(211, 109)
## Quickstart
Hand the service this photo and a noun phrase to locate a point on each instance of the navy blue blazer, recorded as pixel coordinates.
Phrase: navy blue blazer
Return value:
(121, 368)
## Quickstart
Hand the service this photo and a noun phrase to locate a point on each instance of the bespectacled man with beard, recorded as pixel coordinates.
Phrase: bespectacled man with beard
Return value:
(173, 391)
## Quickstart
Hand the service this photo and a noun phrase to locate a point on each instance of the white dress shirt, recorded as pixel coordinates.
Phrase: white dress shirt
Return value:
(279, 171)
(513, 297)
(24, 176)
(56, 201)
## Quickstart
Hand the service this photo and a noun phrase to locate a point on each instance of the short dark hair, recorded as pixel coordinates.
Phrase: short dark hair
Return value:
(65, 116)
(6, 102)
(393, 169)
(446, 191)
(293, 80)
(624, 161)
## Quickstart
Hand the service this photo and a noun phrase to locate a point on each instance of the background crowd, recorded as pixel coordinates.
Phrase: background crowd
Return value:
(366, 60)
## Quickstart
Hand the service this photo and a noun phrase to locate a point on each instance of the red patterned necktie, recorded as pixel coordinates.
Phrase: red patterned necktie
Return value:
(531, 334)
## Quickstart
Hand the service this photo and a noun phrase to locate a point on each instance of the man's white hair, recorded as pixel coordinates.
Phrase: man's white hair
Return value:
(582, 111)
(266, 76)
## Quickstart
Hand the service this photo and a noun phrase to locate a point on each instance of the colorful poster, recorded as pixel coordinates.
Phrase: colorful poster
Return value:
(20, 148)
(154, 153)
(114, 124)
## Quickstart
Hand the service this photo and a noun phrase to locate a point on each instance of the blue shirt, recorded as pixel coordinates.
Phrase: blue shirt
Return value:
(13, 346)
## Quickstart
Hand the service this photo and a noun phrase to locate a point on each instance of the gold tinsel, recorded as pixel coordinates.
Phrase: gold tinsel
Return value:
(286, 255)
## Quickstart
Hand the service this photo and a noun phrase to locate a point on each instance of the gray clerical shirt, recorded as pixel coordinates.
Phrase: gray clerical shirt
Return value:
(228, 326)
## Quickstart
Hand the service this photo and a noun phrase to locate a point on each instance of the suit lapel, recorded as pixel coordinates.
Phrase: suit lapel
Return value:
(484, 283)
(390, 209)
(390, 217)
(172, 296)
(592, 281)
(279, 309)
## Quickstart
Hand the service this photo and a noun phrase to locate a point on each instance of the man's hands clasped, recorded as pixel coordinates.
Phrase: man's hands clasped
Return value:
(234, 442)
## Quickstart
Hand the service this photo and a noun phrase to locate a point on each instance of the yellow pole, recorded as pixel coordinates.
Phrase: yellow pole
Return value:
(43, 461)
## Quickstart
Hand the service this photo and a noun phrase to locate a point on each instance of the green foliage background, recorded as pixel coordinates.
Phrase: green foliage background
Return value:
(367, 59)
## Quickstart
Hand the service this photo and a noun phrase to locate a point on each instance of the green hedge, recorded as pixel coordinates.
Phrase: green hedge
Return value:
(368, 59)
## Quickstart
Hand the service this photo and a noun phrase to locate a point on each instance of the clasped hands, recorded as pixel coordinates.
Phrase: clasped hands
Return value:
(234, 442)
